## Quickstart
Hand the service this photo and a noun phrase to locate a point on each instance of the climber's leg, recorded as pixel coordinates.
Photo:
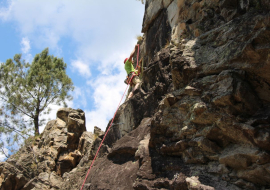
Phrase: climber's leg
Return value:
(136, 82)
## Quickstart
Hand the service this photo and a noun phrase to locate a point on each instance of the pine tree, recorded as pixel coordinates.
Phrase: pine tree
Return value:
(28, 89)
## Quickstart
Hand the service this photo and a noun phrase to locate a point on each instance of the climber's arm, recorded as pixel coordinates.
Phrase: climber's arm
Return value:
(132, 53)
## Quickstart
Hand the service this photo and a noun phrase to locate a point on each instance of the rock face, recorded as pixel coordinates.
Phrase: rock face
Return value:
(200, 119)
(11, 177)
(205, 93)
(43, 160)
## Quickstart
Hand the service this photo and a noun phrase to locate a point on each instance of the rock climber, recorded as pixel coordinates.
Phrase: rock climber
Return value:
(134, 84)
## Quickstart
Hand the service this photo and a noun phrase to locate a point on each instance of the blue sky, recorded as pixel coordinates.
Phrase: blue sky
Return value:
(93, 37)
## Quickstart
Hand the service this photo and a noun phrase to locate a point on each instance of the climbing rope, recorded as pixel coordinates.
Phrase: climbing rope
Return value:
(138, 56)
(110, 123)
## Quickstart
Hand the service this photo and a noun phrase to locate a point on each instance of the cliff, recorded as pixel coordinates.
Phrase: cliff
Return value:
(200, 119)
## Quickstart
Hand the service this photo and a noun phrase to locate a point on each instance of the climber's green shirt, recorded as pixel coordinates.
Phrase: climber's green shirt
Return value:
(129, 67)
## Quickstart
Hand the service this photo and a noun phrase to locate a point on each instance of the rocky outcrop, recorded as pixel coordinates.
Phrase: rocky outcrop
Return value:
(11, 177)
(200, 119)
(45, 181)
(123, 158)
(42, 161)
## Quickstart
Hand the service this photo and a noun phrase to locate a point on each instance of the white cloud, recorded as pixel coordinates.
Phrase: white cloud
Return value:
(108, 91)
(81, 67)
(2, 156)
(25, 48)
(100, 28)
(102, 32)
(6, 11)
(25, 43)
(79, 95)
(50, 116)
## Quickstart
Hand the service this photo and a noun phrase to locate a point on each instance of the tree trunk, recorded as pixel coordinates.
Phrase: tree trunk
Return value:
(36, 118)
(36, 125)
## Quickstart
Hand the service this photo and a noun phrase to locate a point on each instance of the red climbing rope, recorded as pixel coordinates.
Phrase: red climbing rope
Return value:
(110, 124)
(138, 57)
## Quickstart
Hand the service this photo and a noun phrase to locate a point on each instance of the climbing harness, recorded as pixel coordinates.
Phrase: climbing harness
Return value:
(133, 74)
(110, 124)
(130, 77)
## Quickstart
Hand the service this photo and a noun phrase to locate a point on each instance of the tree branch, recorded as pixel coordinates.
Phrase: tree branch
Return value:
(47, 102)
(17, 107)
(4, 150)
(26, 88)
(17, 131)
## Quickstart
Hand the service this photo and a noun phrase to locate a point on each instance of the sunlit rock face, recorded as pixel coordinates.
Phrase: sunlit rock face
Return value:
(200, 119)
(43, 160)
(207, 71)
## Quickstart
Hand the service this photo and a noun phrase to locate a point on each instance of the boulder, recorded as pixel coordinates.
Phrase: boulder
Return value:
(86, 141)
(11, 178)
(122, 159)
(194, 184)
(44, 181)
(55, 152)
(240, 157)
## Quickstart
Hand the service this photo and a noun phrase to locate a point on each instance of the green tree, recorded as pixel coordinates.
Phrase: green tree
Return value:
(13, 131)
(28, 89)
